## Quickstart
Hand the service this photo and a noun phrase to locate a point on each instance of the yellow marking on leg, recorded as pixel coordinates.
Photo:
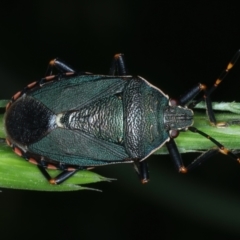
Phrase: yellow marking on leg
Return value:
(182, 170)
(118, 55)
(230, 65)
(143, 181)
(202, 86)
(52, 62)
(212, 124)
(224, 150)
(218, 81)
(52, 181)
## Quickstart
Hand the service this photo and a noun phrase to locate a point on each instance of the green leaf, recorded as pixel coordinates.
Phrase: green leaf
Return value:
(19, 174)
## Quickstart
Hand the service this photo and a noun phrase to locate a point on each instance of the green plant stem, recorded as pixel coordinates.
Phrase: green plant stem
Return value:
(19, 174)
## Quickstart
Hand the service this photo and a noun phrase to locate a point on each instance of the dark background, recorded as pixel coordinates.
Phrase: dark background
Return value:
(173, 45)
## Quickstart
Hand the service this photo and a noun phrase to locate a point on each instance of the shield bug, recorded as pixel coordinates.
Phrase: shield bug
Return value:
(77, 120)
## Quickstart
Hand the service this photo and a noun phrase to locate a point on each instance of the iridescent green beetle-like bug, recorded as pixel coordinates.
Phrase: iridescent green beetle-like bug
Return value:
(77, 120)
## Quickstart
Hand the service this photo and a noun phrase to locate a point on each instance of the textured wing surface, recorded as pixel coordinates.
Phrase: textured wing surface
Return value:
(78, 148)
(73, 93)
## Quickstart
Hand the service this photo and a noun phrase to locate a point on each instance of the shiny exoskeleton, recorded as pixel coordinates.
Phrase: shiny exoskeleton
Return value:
(77, 120)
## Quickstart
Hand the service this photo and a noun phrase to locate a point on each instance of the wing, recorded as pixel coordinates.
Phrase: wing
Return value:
(72, 93)
(78, 148)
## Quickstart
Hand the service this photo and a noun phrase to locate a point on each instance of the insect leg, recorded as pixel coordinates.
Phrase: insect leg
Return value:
(202, 158)
(175, 155)
(118, 67)
(186, 98)
(220, 149)
(141, 169)
(207, 94)
(63, 176)
(60, 66)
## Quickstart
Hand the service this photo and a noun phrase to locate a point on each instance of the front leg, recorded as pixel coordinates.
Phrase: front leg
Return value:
(207, 93)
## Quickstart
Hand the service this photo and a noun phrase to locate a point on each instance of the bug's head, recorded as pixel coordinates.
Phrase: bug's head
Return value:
(177, 118)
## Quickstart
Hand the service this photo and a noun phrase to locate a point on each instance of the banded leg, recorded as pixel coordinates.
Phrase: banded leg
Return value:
(141, 169)
(176, 156)
(60, 66)
(207, 94)
(174, 153)
(202, 158)
(67, 171)
(60, 178)
(186, 98)
(118, 67)
(220, 149)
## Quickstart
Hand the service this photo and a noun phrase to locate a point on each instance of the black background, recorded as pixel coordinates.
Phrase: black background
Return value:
(173, 45)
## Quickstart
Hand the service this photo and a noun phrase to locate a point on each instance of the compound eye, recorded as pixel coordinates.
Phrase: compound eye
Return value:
(174, 133)
(173, 102)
